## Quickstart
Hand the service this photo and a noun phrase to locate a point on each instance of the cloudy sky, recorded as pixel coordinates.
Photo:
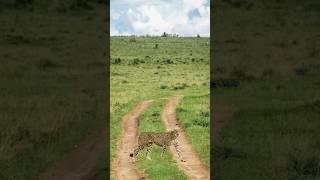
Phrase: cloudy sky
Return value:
(153, 17)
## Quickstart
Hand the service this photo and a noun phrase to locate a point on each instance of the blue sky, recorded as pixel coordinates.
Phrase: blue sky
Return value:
(153, 17)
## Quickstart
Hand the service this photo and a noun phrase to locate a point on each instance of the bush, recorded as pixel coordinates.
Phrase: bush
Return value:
(180, 86)
(179, 109)
(200, 122)
(204, 114)
(163, 87)
(155, 114)
(116, 61)
(133, 39)
(136, 61)
(168, 61)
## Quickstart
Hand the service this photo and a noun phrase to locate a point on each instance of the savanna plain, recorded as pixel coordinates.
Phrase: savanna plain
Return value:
(157, 68)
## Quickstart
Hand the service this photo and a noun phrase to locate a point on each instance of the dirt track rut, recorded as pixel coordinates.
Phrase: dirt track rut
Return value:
(124, 167)
(192, 167)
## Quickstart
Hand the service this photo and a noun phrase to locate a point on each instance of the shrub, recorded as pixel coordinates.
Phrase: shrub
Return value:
(180, 86)
(200, 122)
(155, 114)
(204, 114)
(135, 61)
(163, 87)
(116, 61)
(168, 61)
(179, 109)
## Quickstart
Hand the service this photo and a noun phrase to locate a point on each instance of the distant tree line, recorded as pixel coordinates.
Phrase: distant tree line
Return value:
(164, 34)
(169, 35)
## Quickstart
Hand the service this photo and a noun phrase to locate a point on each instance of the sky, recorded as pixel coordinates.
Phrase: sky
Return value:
(153, 17)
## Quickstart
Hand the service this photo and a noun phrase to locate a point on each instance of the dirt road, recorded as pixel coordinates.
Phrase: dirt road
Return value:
(192, 167)
(124, 168)
(82, 163)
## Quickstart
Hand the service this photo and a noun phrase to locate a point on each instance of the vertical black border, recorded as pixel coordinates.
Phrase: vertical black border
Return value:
(107, 49)
(212, 119)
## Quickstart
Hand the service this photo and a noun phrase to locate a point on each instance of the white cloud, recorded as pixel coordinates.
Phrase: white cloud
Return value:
(114, 14)
(169, 16)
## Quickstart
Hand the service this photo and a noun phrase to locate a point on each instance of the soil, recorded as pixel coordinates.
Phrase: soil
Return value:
(124, 167)
(191, 165)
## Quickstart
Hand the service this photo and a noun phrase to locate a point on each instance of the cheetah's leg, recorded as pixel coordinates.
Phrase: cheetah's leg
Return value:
(176, 146)
(136, 150)
(163, 149)
(149, 148)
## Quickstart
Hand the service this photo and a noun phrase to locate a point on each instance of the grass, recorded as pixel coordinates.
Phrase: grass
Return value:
(51, 96)
(145, 72)
(273, 134)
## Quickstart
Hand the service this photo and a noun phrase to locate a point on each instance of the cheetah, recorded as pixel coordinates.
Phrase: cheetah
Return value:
(162, 139)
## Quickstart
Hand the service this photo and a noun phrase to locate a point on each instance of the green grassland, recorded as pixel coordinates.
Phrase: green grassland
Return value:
(266, 65)
(53, 86)
(159, 67)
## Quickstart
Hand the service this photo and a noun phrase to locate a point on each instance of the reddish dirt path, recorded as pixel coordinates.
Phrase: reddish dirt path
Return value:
(82, 163)
(124, 168)
(192, 167)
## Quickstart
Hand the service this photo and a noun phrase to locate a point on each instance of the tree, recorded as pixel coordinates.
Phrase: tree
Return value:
(164, 34)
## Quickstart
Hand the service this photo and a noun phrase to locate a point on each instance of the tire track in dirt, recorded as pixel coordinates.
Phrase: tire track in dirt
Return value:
(82, 163)
(192, 167)
(124, 168)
